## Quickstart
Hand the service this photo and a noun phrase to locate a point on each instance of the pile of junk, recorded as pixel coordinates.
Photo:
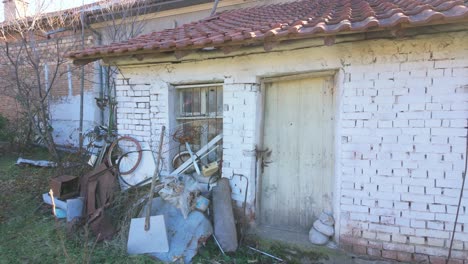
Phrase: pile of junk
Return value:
(181, 210)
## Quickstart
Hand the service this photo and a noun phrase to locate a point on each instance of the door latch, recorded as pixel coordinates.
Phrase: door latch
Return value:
(263, 155)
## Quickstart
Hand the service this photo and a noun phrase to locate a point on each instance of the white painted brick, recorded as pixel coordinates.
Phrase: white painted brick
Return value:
(407, 231)
(459, 122)
(401, 222)
(383, 228)
(355, 131)
(388, 131)
(417, 190)
(385, 195)
(416, 131)
(383, 237)
(418, 215)
(448, 131)
(414, 115)
(401, 188)
(397, 147)
(417, 224)
(385, 107)
(358, 216)
(437, 208)
(416, 123)
(445, 200)
(458, 149)
(449, 114)
(355, 116)
(410, 164)
(413, 99)
(439, 140)
(368, 235)
(433, 190)
(417, 240)
(442, 183)
(417, 107)
(432, 233)
(410, 197)
(437, 242)
(355, 208)
(432, 148)
(450, 99)
(401, 172)
(459, 106)
(433, 106)
(401, 123)
(419, 173)
(400, 107)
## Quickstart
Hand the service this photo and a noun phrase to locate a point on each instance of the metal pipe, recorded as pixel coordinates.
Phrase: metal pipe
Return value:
(215, 6)
(266, 254)
(459, 200)
(82, 80)
(101, 70)
(219, 245)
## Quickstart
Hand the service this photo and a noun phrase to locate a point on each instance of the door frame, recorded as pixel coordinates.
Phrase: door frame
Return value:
(337, 75)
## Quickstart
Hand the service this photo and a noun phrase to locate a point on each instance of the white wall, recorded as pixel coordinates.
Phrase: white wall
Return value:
(65, 114)
(400, 130)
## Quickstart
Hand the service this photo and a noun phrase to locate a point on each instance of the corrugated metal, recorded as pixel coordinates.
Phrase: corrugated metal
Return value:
(298, 183)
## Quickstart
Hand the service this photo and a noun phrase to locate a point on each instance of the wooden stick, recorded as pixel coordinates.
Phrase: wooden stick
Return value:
(153, 182)
(53, 202)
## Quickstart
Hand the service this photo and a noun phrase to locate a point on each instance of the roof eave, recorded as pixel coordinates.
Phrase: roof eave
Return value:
(396, 32)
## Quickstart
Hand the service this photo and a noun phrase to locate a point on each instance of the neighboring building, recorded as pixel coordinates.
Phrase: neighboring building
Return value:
(101, 20)
(58, 30)
(361, 104)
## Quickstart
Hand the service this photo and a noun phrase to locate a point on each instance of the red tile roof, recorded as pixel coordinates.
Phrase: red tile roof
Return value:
(300, 19)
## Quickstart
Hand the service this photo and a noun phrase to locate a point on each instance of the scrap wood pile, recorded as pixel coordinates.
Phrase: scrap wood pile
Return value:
(171, 227)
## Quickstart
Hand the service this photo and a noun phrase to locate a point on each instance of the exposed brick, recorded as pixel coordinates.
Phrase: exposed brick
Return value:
(360, 250)
(374, 252)
(389, 254)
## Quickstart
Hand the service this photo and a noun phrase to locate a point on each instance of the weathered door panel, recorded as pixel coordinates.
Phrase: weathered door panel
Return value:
(298, 129)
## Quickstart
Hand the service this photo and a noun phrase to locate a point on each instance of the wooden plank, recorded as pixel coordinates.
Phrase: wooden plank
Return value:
(298, 128)
(199, 153)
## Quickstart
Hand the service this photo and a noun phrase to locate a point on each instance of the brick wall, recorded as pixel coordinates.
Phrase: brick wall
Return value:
(67, 79)
(133, 110)
(239, 142)
(401, 112)
(403, 149)
(9, 107)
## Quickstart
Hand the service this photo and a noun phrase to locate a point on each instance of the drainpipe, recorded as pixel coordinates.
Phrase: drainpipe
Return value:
(213, 11)
(101, 71)
(82, 81)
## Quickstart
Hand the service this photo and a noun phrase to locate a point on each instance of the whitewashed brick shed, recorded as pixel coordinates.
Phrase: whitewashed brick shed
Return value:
(361, 104)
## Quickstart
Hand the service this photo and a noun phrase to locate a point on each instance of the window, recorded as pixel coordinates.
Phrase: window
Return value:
(199, 108)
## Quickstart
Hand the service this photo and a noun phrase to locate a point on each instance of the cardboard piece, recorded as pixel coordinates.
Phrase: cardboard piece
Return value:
(151, 241)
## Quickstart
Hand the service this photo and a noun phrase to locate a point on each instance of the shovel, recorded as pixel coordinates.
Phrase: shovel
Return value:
(148, 234)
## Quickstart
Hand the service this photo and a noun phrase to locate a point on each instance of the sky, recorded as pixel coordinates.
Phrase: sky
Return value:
(52, 5)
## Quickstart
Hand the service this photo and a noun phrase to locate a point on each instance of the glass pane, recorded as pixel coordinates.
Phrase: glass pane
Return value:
(219, 101)
(188, 103)
(212, 101)
(196, 102)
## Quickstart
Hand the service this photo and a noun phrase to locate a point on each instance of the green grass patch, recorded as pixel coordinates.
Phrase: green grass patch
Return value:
(30, 234)
(28, 231)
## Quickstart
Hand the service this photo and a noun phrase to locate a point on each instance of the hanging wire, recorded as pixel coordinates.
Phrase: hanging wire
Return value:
(459, 201)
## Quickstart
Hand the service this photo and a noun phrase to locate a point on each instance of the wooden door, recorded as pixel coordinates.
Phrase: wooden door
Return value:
(298, 177)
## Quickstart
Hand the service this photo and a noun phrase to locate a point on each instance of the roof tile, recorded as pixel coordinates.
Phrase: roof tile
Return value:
(303, 18)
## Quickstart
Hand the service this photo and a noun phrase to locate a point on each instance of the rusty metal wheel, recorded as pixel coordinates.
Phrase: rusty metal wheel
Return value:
(127, 151)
